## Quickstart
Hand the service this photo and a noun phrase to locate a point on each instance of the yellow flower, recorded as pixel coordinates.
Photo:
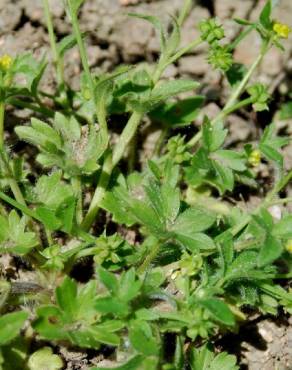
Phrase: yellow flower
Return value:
(5, 62)
(282, 30)
(255, 158)
(289, 246)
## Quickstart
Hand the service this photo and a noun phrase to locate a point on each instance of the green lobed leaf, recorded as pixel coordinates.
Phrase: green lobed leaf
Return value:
(11, 324)
(194, 220)
(195, 242)
(270, 251)
(13, 235)
(204, 358)
(213, 135)
(231, 159)
(66, 295)
(283, 228)
(44, 358)
(141, 338)
(109, 280)
(219, 310)
(48, 218)
(112, 305)
(166, 90)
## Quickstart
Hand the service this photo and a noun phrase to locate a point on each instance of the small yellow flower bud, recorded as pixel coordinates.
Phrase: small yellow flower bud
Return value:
(289, 246)
(255, 158)
(282, 30)
(5, 62)
(86, 94)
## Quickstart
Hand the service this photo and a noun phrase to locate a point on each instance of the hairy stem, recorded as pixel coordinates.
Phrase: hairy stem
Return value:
(2, 111)
(184, 50)
(18, 205)
(99, 193)
(125, 138)
(82, 51)
(267, 202)
(35, 108)
(31, 213)
(109, 164)
(100, 112)
(58, 62)
(12, 182)
(185, 10)
(231, 104)
(76, 184)
(280, 201)
(149, 259)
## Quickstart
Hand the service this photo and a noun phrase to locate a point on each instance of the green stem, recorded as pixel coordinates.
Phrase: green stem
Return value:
(164, 64)
(160, 141)
(49, 237)
(185, 10)
(57, 60)
(100, 108)
(31, 213)
(278, 187)
(12, 182)
(132, 154)
(248, 243)
(109, 164)
(2, 111)
(76, 184)
(37, 109)
(284, 276)
(126, 136)
(16, 191)
(101, 117)
(21, 207)
(267, 202)
(82, 51)
(237, 106)
(90, 251)
(234, 96)
(281, 201)
(241, 36)
(99, 193)
(238, 91)
(149, 259)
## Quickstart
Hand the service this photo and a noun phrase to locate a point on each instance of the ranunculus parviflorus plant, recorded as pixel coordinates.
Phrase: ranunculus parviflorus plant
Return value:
(198, 259)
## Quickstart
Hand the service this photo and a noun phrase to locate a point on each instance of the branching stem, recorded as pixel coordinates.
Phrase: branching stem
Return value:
(232, 105)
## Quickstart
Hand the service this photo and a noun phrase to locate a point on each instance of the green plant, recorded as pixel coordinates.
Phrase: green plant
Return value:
(198, 259)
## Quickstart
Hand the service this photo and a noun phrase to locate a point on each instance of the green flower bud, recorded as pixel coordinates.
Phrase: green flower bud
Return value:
(211, 31)
(55, 260)
(178, 150)
(190, 264)
(220, 58)
(260, 96)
